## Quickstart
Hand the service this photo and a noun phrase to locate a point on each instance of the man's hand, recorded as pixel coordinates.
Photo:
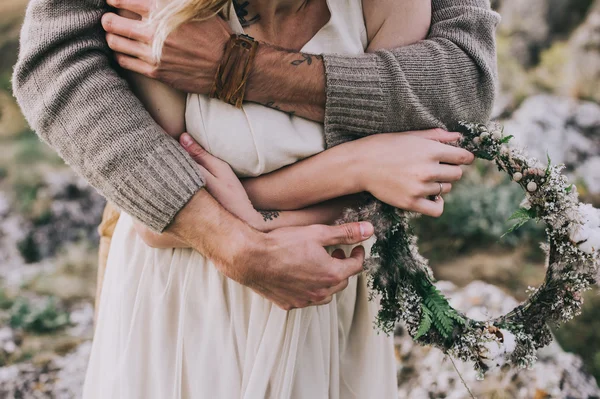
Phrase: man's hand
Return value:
(193, 51)
(288, 266)
(293, 269)
(190, 55)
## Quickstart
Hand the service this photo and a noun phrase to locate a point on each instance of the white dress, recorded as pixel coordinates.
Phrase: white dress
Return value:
(171, 326)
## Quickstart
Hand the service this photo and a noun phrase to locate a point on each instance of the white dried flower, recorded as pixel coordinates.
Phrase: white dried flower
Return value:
(578, 232)
(476, 141)
(484, 135)
(518, 176)
(504, 150)
(496, 353)
(510, 341)
(497, 134)
(525, 204)
(592, 244)
(591, 215)
(532, 186)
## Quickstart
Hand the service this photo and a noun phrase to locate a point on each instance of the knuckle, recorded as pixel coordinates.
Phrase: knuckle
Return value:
(439, 131)
(415, 192)
(299, 304)
(334, 277)
(319, 231)
(153, 73)
(326, 300)
(319, 295)
(348, 231)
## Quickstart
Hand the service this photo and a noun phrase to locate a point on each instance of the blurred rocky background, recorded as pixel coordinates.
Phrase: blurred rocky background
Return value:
(549, 58)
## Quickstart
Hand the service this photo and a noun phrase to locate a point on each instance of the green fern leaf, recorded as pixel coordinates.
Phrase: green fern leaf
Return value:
(426, 322)
(506, 139)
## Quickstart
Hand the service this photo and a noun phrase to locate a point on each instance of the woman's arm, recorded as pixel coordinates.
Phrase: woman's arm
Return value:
(401, 169)
(165, 104)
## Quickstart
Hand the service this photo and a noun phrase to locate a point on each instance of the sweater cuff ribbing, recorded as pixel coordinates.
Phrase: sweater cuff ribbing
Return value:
(160, 185)
(355, 105)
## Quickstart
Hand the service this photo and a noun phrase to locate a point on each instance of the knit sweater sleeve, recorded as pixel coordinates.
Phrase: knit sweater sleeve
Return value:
(77, 103)
(450, 76)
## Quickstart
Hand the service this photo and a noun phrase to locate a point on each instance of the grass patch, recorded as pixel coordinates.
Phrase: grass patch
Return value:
(43, 319)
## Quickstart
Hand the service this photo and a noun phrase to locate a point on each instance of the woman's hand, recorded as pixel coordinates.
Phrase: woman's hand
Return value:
(222, 183)
(406, 169)
(227, 189)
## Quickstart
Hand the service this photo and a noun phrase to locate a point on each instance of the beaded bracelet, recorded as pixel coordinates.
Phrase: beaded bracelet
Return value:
(235, 67)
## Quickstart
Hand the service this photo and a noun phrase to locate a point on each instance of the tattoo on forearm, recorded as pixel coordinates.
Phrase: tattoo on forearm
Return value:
(306, 58)
(269, 215)
(271, 104)
(242, 14)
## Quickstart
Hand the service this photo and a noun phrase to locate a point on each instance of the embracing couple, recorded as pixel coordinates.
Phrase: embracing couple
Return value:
(226, 275)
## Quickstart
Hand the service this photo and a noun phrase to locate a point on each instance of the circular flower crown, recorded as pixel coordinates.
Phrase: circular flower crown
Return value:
(401, 279)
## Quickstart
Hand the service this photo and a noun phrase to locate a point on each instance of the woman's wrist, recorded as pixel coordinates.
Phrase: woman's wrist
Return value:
(355, 166)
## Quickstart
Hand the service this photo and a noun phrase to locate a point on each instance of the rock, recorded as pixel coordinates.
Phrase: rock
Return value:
(534, 24)
(427, 373)
(72, 373)
(566, 129)
(82, 318)
(582, 73)
(54, 377)
(74, 212)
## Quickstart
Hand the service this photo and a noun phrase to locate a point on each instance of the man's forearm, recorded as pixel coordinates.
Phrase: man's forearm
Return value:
(208, 228)
(76, 102)
(292, 82)
(436, 82)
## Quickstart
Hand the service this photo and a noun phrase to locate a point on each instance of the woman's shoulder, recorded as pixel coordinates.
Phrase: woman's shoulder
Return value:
(396, 23)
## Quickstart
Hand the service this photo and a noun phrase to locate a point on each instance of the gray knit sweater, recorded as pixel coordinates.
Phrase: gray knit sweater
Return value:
(75, 100)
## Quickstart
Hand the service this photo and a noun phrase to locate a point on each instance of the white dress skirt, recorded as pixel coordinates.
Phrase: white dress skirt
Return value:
(172, 326)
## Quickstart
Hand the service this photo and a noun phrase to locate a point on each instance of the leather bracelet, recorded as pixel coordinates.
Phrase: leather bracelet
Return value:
(234, 69)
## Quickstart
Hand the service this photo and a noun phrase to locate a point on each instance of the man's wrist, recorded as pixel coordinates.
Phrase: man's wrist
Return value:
(209, 229)
(256, 89)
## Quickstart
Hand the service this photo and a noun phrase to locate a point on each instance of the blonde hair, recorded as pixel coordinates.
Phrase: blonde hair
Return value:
(170, 14)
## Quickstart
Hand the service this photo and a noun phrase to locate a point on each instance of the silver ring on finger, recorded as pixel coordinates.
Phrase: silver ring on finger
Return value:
(436, 198)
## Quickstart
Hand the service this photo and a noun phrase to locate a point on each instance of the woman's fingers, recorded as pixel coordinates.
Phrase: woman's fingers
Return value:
(202, 157)
(446, 173)
(454, 155)
(440, 135)
(429, 207)
(433, 188)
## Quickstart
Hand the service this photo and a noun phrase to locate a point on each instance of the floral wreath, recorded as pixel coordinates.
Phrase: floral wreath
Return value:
(403, 282)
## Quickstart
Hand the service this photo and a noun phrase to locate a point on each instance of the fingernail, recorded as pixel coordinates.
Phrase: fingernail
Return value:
(186, 140)
(366, 229)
